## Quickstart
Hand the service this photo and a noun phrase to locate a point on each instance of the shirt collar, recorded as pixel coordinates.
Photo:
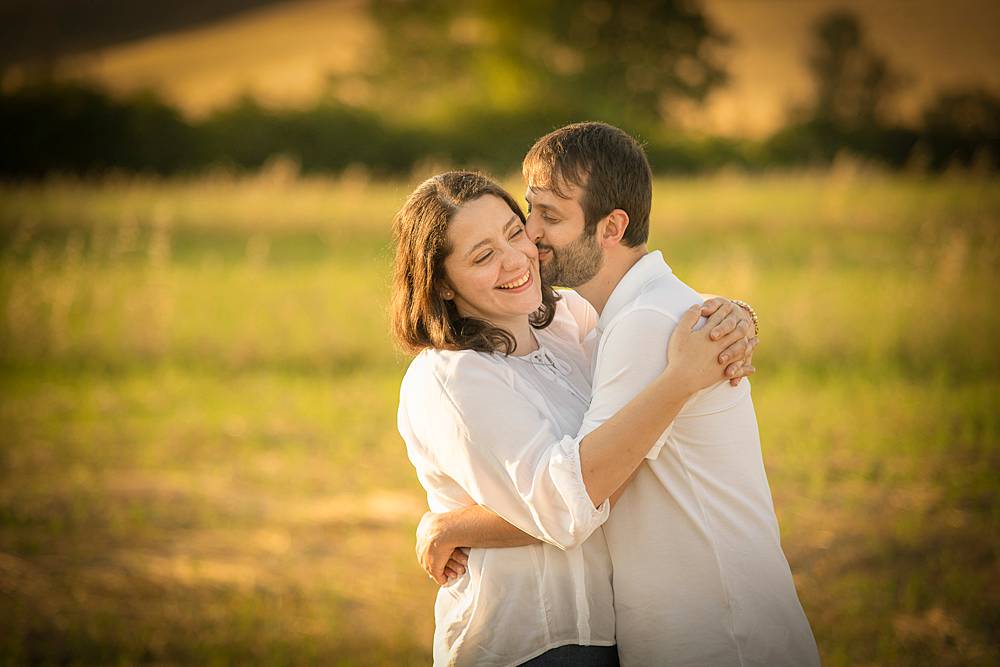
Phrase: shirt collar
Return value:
(628, 289)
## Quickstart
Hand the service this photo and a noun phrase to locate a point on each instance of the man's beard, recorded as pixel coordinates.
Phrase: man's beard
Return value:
(574, 263)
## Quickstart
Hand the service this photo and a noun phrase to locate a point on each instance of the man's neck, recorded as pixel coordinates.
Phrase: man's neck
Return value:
(616, 264)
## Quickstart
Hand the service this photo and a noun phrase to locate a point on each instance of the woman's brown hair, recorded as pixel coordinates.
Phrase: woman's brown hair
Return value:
(419, 316)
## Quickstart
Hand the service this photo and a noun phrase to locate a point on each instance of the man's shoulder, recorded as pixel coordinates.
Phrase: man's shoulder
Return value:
(669, 294)
(664, 298)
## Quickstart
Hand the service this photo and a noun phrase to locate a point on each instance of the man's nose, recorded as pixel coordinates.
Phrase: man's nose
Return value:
(533, 229)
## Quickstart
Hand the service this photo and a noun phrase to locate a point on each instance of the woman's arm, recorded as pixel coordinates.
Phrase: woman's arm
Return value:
(440, 535)
(740, 361)
(493, 443)
(611, 452)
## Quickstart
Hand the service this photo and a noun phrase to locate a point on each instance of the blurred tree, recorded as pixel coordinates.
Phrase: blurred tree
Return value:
(963, 126)
(854, 83)
(74, 128)
(605, 58)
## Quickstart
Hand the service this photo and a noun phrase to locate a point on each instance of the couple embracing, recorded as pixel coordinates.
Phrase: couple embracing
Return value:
(591, 456)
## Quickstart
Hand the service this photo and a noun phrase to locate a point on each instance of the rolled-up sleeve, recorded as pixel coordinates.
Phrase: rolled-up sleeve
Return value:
(494, 443)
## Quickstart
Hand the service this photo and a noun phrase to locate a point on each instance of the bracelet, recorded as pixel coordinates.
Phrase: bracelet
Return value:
(753, 314)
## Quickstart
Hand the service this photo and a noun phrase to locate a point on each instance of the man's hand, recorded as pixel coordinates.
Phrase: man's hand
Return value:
(739, 355)
(436, 553)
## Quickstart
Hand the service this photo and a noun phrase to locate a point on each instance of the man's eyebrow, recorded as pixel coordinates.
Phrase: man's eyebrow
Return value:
(513, 220)
(549, 207)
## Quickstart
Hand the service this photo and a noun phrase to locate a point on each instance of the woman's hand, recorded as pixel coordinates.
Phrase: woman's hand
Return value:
(694, 356)
(739, 355)
(441, 559)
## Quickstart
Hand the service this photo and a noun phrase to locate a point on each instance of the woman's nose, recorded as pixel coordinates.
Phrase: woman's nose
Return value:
(514, 258)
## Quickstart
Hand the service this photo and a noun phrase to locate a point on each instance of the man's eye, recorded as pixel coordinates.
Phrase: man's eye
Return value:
(529, 207)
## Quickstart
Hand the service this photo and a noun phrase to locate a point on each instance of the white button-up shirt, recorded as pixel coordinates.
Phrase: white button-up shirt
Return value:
(501, 432)
(699, 574)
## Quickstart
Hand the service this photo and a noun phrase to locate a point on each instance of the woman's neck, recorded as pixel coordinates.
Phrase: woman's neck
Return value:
(523, 335)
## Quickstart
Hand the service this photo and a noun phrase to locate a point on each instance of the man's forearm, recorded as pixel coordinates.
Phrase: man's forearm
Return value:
(478, 527)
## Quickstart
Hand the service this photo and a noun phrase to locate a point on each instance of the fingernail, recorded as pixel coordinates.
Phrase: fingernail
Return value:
(724, 358)
(730, 372)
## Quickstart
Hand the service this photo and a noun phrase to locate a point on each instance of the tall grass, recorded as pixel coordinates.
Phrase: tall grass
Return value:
(200, 461)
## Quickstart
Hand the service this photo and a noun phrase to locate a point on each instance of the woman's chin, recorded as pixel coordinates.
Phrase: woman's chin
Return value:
(536, 302)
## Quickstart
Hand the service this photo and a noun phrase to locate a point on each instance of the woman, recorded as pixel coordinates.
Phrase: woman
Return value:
(490, 408)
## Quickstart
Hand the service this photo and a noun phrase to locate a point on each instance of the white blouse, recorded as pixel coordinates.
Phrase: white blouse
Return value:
(501, 432)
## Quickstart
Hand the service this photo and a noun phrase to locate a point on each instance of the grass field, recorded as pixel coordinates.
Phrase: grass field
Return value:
(199, 462)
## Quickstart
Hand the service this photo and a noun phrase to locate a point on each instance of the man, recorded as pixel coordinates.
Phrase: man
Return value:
(699, 575)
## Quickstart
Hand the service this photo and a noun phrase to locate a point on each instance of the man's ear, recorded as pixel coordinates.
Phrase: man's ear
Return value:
(612, 228)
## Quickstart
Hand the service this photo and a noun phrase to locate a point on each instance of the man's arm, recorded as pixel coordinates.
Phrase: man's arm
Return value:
(441, 536)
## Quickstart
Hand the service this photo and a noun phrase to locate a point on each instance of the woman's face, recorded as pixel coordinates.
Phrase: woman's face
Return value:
(493, 266)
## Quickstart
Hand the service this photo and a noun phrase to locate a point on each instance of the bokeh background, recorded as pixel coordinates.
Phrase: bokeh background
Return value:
(198, 460)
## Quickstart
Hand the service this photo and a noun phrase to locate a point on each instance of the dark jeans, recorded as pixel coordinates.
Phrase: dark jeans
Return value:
(576, 656)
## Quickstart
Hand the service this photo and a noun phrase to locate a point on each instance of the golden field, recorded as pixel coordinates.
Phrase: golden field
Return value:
(200, 463)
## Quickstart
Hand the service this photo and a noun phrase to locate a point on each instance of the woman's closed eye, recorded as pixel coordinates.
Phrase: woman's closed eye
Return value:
(482, 258)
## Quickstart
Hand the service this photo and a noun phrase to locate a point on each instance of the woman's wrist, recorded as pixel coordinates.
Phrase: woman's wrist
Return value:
(748, 309)
(677, 384)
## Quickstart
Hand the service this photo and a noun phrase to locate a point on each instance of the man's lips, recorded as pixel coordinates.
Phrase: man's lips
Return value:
(544, 253)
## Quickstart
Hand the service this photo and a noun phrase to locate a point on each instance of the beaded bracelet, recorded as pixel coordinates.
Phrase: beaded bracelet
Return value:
(753, 314)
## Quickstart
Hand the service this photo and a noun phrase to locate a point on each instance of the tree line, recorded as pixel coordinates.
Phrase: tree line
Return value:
(476, 85)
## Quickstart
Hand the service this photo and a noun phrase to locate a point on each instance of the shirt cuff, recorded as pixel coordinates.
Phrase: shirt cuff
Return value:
(654, 451)
(568, 478)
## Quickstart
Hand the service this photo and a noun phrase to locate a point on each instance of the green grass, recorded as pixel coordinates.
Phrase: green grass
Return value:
(200, 464)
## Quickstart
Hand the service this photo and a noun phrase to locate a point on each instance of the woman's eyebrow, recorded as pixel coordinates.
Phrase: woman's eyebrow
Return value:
(513, 221)
(475, 247)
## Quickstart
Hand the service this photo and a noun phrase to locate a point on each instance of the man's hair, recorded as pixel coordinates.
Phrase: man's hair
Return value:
(419, 317)
(606, 163)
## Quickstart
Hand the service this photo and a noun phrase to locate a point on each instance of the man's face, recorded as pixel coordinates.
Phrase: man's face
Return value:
(568, 257)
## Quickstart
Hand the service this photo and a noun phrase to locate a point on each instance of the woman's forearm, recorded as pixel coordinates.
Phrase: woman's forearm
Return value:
(611, 453)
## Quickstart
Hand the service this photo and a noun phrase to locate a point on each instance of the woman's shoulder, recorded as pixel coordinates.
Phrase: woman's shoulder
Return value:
(452, 370)
(574, 314)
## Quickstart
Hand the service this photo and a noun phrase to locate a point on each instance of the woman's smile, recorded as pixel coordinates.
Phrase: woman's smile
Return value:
(519, 284)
